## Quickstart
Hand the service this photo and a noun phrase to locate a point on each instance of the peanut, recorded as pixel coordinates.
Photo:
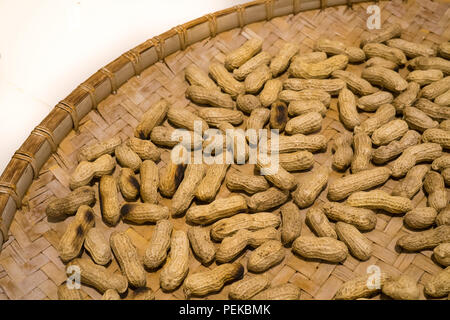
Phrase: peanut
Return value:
(177, 267)
(110, 294)
(256, 221)
(445, 125)
(299, 107)
(381, 35)
(127, 158)
(380, 62)
(209, 186)
(291, 223)
(383, 115)
(170, 178)
(443, 218)
(390, 131)
(225, 80)
(149, 181)
(441, 163)
(262, 58)
(333, 47)
(411, 49)
(153, 117)
(86, 171)
(145, 149)
(128, 259)
(444, 50)
(266, 200)
(251, 184)
(437, 135)
(128, 184)
(156, 252)
(362, 145)
(278, 115)
(425, 77)
(197, 77)
(426, 63)
(412, 183)
(307, 94)
(310, 57)
(420, 218)
(362, 219)
(342, 151)
(373, 101)
(143, 293)
(446, 175)
(258, 118)
(384, 154)
(239, 56)
(418, 120)
(162, 136)
(356, 84)
(320, 70)
(182, 118)
(216, 210)
(358, 244)
(323, 248)
(72, 240)
(232, 246)
(442, 254)
(319, 223)
(434, 186)
(94, 151)
(402, 288)
(141, 213)
(332, 86)
(247, 103)
(385, 78)
(201, 244)
(425, 152)
(206, 282)
(435, 111)
(264, 257)
(269, 93)
(66, 293)
(307, 123)
(389, 53)
(109, 200)
(298, 142)
(361, 287)
(439, 285)
(310, 187)
(247, 288)
(59, 208)
(255, 81)
(296, 161)
(213, 98)
(341, 188)
(186, 190)
(280, 62)
(436, 88)
(379, 199)
(99, 277)
(98, 247)
(443, 99)
(215, 116)
(347, 109)
(286, 291)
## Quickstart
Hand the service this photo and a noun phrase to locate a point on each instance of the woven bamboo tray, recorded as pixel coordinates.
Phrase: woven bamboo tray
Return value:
(111, 102)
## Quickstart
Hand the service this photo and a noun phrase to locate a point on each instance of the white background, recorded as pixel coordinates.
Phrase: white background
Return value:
(49, 47)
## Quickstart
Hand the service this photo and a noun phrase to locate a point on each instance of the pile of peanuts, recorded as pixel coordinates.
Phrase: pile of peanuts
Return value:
(407, 126)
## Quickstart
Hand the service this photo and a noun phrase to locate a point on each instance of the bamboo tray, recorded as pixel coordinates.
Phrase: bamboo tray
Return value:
(111, 102)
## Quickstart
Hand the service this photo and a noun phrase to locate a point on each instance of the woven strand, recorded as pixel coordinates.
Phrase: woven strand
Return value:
(323, 4)
(296, 6)
(112, 79)
(159, 47)
(47, 134)
(240, 10)
(10, 189)
(70, 109)
(28, 157)
(349, 3)
(181, 31)
(212, 24)
(269, 9)
(91, 91)
(3, 230)
(135, 60)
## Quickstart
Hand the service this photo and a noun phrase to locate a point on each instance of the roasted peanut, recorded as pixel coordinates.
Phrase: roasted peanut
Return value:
(98, 247)
(359, 246)
(280, 62)
(380, 62)
(141, 213)
(407, 97)
(145, 149)
(390, 131)
(269, 93)
(164, 137)
(361, 287)
(384, 154)
(177, 267)
(127, 158)
(342, 151)
(425, 63)
(128, 184)
(356, 84)
(266, 256)
(362, 219)
(385, 78)
(445, 125)
(153, 117)
(296, 161)
(332, 86)
(66, 293)
(225, 80)
(286, 291)
(347, 109)
(209, 186)
(256, 221)
(319, 223)
(425, 152)
(258, 118)
(435, 88)
(402, 288)
(300, 107)
(439, 285)
(201, 244)
(215, 116)
(262, 58)
(99, 277)
(420, 218)
(247, 103)
(373, 101)
(307, 94)
(411, 49)
(307, 123)
(425, 77)
(443, 217)
(412, 183)
(379, 199)
(278, 115)
(341, 188)
(323, 248)
(437, 135)
(434, 186)
(197, 77)
(362, 145)
(72, 240)
(247, 288)
(109, 200)
(268, 199)
(291, 223)
(298, 142)
(239, 56)
(383, 115)
(156, 252)
(149, 181)
(435, 111)
(185, 119)
(95, 151)
(170, 178)
(251, 184)
(444, 50)
(203, 283)
(128, 259)
(418, 120)
(441, 163)
(310, 57)
(255, 81)
(333, 47)
(443, 99)
(216, 210)
(321, 69)
(442, 254)
(186, 190)
(86, 171)
(59, 208)
(110, 294)
(389, 53)
(213, 98)
(381, 35)
(310, 187)
(142, 293)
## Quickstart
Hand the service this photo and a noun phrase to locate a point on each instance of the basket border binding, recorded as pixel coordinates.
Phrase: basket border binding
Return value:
(43, 141)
